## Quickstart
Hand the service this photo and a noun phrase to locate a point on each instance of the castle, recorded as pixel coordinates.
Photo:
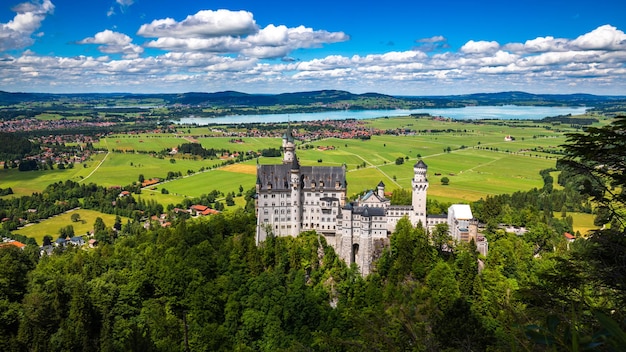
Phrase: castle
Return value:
(292, 198)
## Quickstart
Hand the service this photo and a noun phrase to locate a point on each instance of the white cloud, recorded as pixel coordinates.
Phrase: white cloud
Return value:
(16, 34)
(200, 56)
(233, 32)
(480, 47)
(602, 38)
(204, 24)
(114, 43)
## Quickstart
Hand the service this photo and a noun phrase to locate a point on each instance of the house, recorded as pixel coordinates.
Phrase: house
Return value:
(78, 241)
(197, 209)
(12, 243)
(569, 237)
(459, 219)
(46, 250)
(150, 182)
(93, 243)
(209, 211)
(60, 242)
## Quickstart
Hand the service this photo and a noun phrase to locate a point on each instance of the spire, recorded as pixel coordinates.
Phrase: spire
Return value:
(288, 135)
(295, 164)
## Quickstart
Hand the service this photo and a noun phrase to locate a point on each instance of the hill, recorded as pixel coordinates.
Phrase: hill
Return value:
(332, 99)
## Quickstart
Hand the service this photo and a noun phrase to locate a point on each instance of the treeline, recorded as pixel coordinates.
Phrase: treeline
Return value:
(14, 147)
(205, 285)
(569, 120)
(197, 149)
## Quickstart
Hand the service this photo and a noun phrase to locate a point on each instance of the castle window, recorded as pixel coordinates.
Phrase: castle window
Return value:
(265, 196)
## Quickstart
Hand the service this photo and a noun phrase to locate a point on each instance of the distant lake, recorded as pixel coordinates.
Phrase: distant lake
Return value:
(505, 112)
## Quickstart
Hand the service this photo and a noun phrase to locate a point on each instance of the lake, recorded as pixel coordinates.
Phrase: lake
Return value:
(504, 112)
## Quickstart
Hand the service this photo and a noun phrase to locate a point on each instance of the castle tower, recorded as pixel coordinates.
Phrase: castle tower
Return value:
(296, 206)
(289, 146)
(419, 185)
(381, 189)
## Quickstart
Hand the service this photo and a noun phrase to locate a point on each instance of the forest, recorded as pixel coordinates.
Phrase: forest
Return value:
(204, 285)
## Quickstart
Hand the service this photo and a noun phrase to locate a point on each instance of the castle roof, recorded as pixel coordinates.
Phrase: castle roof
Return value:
(369, 211)
(420, 164)
(277, 177)
(295, 164)
(381, 184)
(288, 135)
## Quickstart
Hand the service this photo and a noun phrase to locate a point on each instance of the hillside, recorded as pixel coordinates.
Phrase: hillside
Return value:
(328, 98)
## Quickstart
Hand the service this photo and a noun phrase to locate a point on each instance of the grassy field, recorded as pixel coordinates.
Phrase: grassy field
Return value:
(25, 183)
(53, 225)
(583, 223)
(203, 183)
(474, 156)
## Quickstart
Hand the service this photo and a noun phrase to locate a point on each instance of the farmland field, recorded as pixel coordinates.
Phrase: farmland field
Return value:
(53, 225)
(474, 156)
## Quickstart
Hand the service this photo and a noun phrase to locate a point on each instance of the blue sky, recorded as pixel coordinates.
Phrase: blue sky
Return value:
(393, 47)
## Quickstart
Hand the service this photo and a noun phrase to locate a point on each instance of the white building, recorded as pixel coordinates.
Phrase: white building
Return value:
(292, 198)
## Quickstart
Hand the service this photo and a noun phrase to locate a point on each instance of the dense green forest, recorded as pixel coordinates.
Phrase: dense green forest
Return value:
(204, 285)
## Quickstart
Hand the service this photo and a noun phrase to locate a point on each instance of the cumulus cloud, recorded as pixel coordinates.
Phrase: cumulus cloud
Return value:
(204, 24)
(17, 33)
(233, 32)
(114, 43)
(208, 52)
(602, 38)
(480, 47)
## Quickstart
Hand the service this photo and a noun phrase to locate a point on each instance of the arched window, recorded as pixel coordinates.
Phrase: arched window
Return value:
(355, 253)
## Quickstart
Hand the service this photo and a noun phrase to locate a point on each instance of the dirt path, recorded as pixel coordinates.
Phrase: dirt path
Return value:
(99, 164)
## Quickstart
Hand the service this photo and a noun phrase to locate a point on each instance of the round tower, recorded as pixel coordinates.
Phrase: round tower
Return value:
(381, 189)
(289, 147)
(419, 185)
(296, 196)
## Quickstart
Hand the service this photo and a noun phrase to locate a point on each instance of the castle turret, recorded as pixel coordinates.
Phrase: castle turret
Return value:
(419, 185)
(296, 221)
(289, 146)
(381, 189)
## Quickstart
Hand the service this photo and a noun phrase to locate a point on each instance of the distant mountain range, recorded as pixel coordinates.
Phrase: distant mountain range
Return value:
(331, 99)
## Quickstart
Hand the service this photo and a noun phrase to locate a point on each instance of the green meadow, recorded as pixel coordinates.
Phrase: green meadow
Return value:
(474, 157)
(52, 225)
(205, 182)
(26, 182)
